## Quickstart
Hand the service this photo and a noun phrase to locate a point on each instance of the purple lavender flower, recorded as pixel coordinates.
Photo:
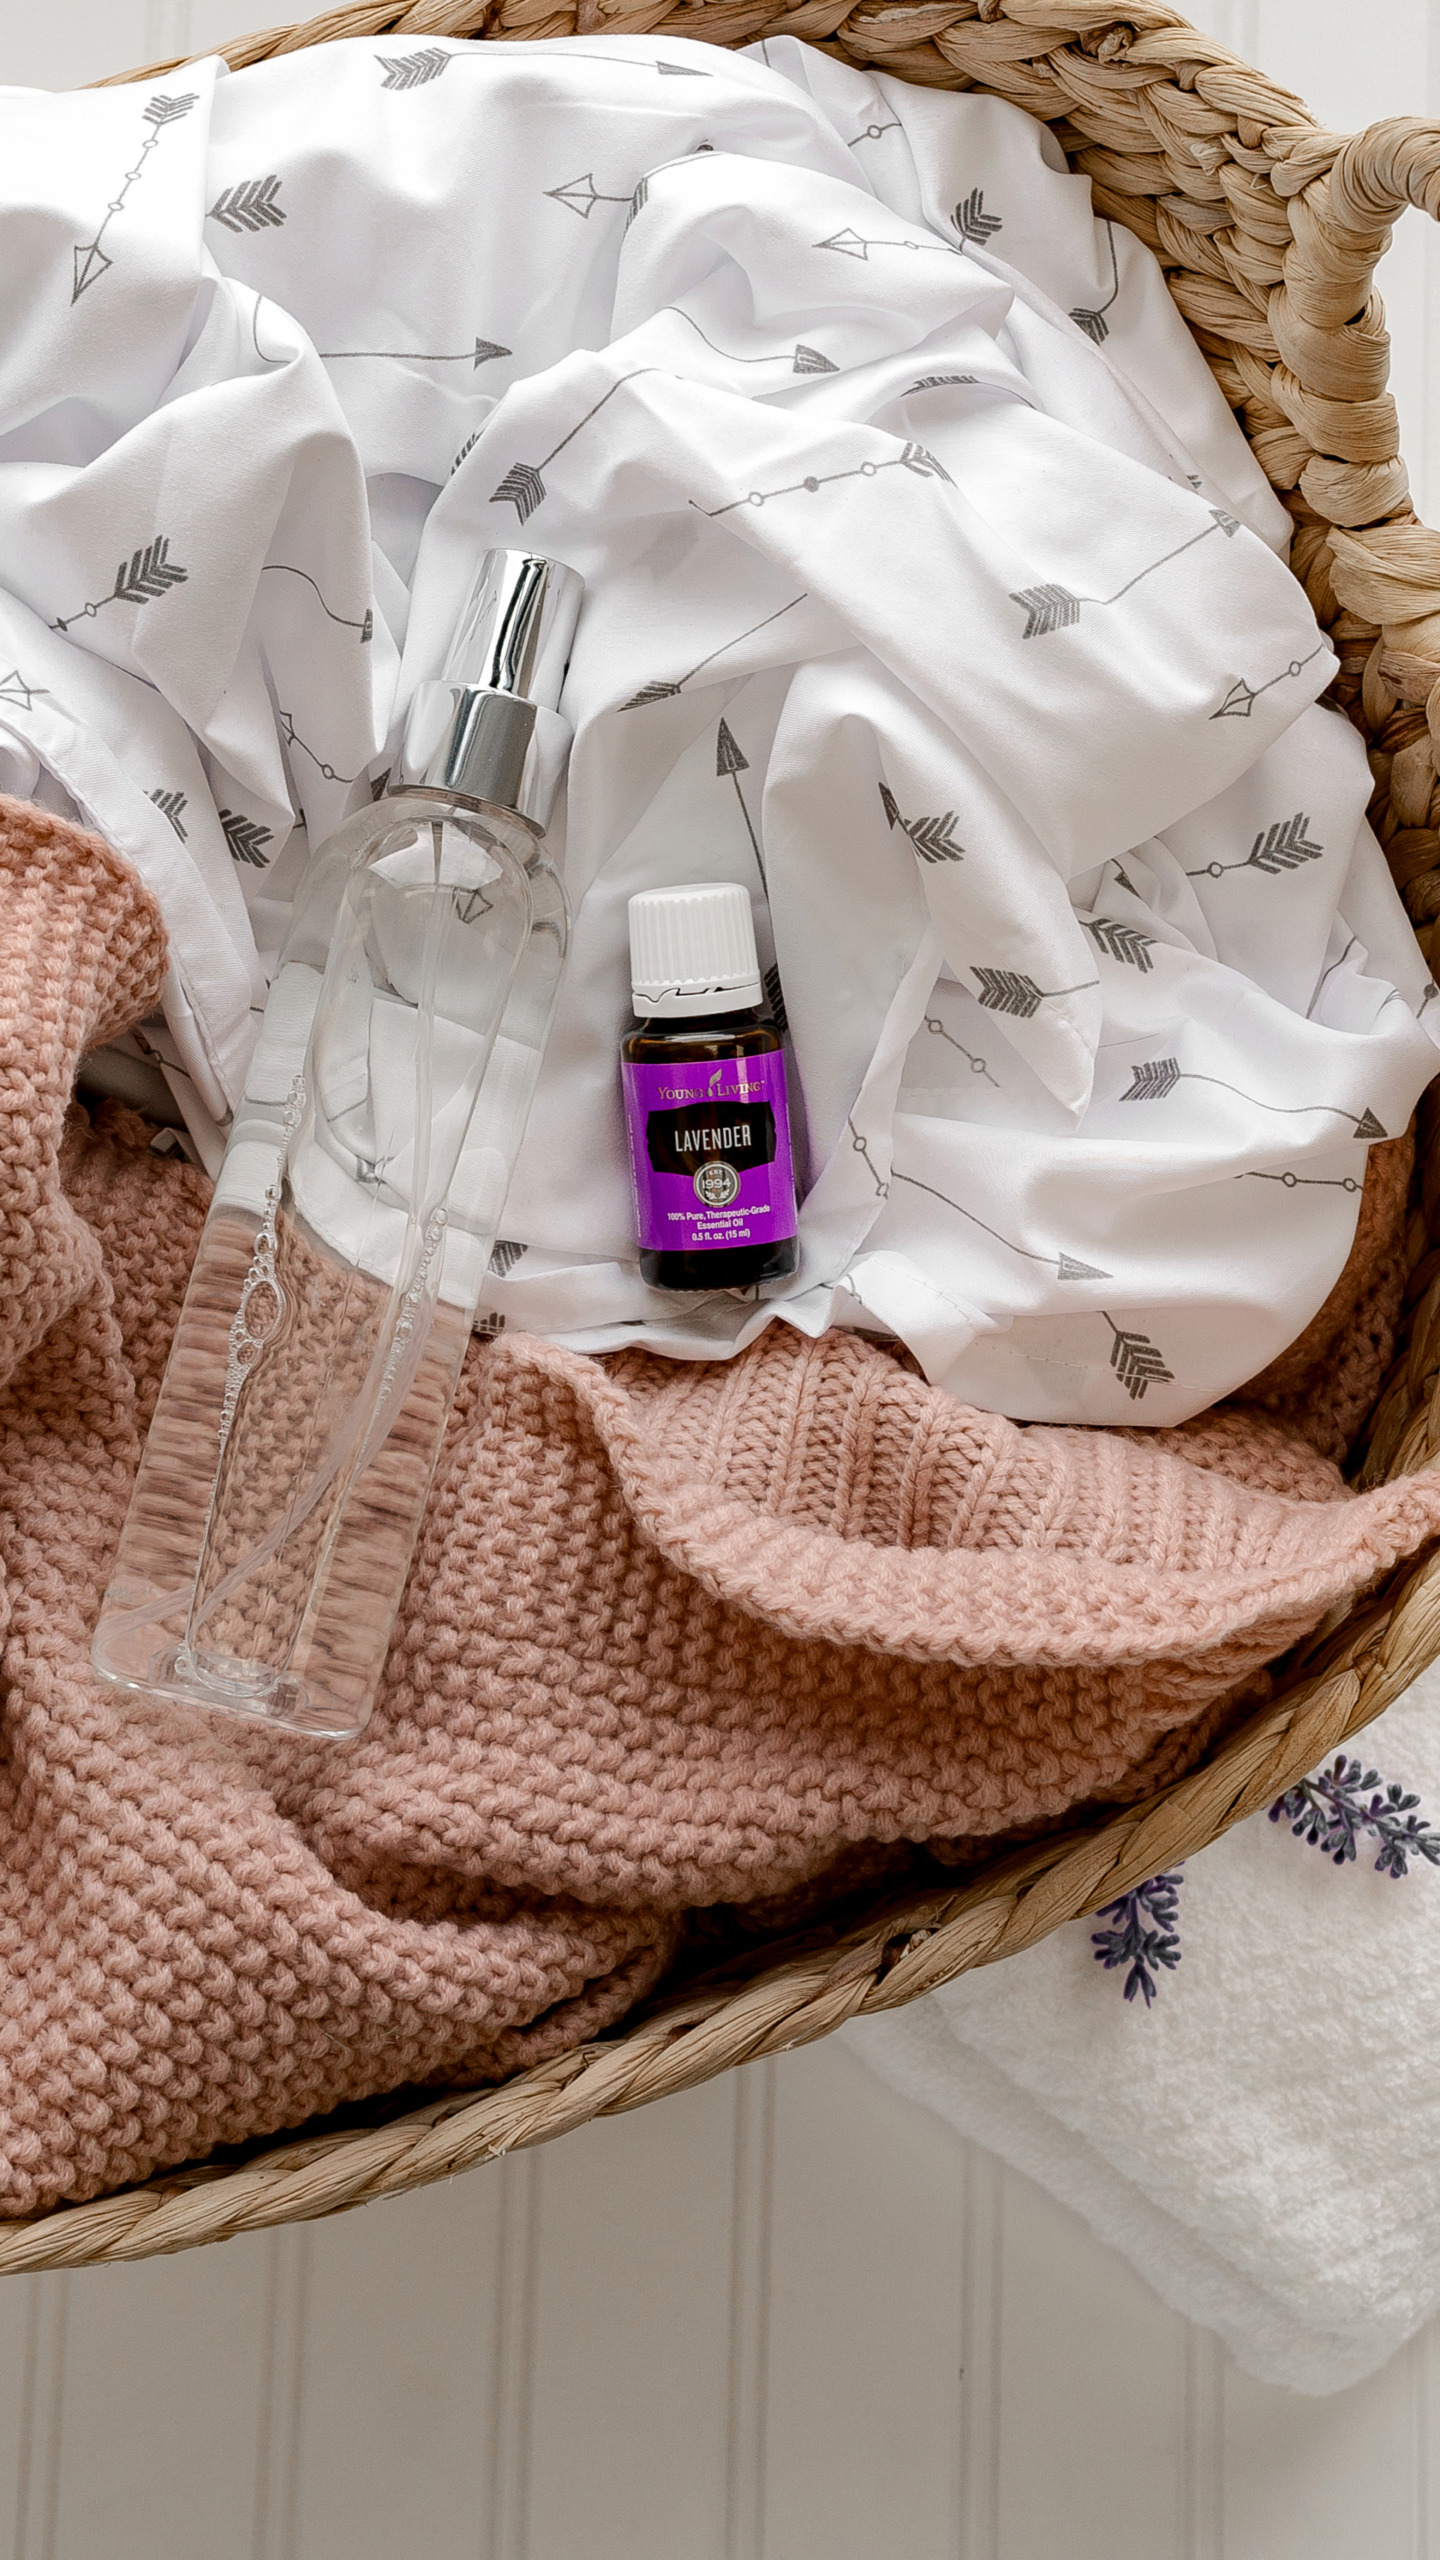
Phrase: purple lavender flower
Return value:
(1334, 1810)
(1145, 1933)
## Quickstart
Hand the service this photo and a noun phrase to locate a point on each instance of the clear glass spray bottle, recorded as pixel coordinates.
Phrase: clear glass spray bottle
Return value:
(285, 1474)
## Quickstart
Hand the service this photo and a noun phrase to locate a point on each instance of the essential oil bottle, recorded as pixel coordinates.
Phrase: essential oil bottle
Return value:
(706, 1116)
(285, 1475)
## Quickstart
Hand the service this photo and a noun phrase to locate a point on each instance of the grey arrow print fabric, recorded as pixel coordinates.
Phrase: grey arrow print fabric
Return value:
(931, 593)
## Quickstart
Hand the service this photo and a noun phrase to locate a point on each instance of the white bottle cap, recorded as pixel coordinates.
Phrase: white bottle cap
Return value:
(692, 950)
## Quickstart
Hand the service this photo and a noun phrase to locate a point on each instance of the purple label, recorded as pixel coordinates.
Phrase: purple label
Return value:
(710, 1153)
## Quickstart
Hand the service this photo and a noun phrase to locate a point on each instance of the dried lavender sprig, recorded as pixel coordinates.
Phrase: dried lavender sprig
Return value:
(1334, 1809)
(1134, 1941)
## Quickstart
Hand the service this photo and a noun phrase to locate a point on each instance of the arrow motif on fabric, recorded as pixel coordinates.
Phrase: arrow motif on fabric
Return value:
(862, 1149)
(933, 838)
(664, 689)
(1065, 1265)
(150, 573)
(1281, 847)
(582, 196)
(364, 624)
(1241, 699)
(91, 264)
(659, 691)
(250, 206)
(1157, 1077)
(977, 1064)
(973, 222)
(1305, 1181)
(172, 805)
(292, 738)
(91, 261)
(729, 760)
(1010, 991)
(1055, 608)
(246, 838)
(1151, 1081)
(482, 351)
(855, 244)
(776, 995)
(412, 70)
(1094, 323)
(467, 447)
(1327, 974)
(1123, 942)
(938, 382)
(13, 688)
(915, 457)
(504, 1254)
(1284, 846)
(523, 488)
(1136, 1361)
(1047, 609)
(919, 459)
(805, 359)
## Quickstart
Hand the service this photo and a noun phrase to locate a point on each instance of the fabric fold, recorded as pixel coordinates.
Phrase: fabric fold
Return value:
(678, 1638)
(929, 581)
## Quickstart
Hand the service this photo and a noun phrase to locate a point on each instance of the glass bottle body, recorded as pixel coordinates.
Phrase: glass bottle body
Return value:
(286, 1471)
(714, 1042)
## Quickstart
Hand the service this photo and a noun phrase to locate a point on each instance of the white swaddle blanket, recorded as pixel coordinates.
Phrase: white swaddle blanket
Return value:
(931, 587)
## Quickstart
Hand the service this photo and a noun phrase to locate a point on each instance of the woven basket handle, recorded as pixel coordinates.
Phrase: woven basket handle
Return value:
(1344, 193)
(1379, 172)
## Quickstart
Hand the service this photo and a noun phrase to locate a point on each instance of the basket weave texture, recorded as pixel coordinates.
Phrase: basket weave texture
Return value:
(1268, 229)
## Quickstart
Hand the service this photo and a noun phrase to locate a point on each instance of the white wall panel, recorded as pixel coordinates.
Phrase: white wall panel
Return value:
(160, 2418)
(1306, 2476)
(865, 2310)
(1081, 2340)
(398, 2360)
(632, 2337)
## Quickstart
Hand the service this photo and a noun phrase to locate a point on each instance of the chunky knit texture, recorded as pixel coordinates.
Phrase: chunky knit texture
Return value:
(675, 1637)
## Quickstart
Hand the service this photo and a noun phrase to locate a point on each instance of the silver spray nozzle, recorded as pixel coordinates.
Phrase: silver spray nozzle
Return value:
(489, 730)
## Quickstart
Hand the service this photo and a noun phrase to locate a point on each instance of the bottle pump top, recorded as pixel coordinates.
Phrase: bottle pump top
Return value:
(692, 950)
(489, 730)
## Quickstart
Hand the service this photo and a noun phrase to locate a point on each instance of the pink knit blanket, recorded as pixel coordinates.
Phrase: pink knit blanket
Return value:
(675, 1637)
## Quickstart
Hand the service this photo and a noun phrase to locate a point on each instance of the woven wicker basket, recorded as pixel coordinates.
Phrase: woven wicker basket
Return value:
(1268, 229)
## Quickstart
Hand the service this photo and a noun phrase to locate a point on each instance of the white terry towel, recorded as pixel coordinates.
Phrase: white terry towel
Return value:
(1263, 2143)
(932, 588)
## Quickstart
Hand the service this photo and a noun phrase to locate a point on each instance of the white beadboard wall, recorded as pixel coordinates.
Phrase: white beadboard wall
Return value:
(787, 2317)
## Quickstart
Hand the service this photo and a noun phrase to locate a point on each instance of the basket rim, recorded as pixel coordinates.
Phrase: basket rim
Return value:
(788, 1993)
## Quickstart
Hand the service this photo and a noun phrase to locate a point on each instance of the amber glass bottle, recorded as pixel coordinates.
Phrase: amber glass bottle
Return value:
(706, 1110)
